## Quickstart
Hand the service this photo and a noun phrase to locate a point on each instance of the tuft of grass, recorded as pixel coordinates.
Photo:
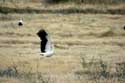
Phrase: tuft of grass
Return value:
(107, 33)
(9, 72)
(120, 71)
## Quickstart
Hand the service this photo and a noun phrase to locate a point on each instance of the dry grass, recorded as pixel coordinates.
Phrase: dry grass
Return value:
(74, 36)
(60, 6)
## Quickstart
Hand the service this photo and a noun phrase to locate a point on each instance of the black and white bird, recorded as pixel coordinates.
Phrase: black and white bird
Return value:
(47, 48)
(20, 22)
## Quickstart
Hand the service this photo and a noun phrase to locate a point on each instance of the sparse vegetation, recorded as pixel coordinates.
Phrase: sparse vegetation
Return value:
(68, 8)
(99, 69)
(55, 1)
(9, 72)
(29, 77)
(87, 1)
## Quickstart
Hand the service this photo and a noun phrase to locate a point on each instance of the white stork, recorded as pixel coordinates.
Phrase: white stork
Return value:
(20, 22)
(47, 48)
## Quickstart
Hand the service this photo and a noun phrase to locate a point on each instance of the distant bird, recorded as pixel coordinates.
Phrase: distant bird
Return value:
(20, 22)
(47, 49)
(124, 27)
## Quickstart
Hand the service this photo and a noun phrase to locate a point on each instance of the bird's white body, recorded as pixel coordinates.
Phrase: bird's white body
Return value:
(21, 21)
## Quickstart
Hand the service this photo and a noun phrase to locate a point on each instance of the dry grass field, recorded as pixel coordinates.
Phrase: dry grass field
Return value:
(89, 48)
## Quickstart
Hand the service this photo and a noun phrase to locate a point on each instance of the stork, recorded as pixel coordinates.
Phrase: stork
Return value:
(47, 48)
(20, 22)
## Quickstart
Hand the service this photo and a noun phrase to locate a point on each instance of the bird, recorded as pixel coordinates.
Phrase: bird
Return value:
(20, 22)
(124, 27)
(47, 48)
